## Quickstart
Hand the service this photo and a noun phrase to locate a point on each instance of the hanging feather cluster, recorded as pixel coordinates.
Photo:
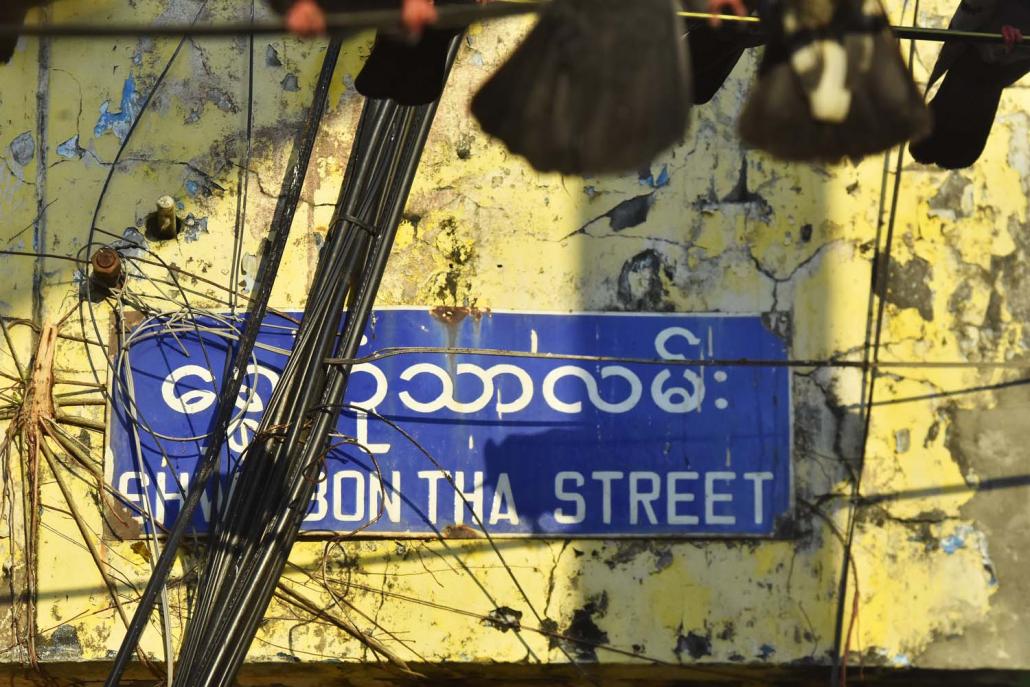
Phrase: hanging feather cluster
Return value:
(603, 85)
(597, 86)
(832, 84)
(972, 79)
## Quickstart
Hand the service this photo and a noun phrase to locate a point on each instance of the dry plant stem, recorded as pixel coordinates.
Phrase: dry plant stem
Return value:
(93, 552)
(75, 421)
(12, 349)
(12, 539)
(32, 424)
(73, 403)
(70, 444)
(38, 403)
(296, 599)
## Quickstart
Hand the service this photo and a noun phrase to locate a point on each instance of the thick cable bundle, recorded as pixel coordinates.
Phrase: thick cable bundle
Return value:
(261, 519)
(272, 252)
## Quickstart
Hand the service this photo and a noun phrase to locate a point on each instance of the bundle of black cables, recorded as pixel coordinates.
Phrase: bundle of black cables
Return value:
(258, 523)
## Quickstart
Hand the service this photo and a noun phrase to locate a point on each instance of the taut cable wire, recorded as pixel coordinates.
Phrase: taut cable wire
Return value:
(390, 20)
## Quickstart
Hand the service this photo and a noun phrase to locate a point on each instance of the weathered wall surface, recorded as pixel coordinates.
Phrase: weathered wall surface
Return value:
(710, 227)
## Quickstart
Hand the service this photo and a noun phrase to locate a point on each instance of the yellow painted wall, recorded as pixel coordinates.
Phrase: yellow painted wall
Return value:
(734, 231)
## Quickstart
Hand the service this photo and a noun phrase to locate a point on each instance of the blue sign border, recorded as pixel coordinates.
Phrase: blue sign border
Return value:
(454, 328)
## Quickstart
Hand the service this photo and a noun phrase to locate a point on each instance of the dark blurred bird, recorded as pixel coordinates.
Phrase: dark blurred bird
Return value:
(714, 53)
(13, 12)
(715, 50)
(598, 86)
(974, 77)
(406, 66)
(831, 84)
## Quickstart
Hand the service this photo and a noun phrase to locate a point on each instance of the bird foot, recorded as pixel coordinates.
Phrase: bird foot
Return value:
(416, 15)
(306, 18)
(717, 7)
(1012, 36)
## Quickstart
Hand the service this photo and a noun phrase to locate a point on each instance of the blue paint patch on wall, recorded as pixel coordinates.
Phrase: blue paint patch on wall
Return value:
(70, 149)
(654, 182)
(645, 443)
(193, 227)
(952, 543)
(119, 122)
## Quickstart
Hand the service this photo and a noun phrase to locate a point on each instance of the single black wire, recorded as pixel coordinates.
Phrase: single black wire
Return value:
(87, 301)
(264, 547)
(880, 276)
(231, 387)
(450, 16)
(265, 470)
(395, 351)
(244, 175)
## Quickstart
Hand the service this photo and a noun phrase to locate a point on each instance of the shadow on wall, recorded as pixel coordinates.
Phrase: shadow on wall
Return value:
(713, 228)
(708, 228)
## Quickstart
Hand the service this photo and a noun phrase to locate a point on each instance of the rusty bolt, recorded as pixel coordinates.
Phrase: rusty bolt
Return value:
(165, 223)
(107, 268)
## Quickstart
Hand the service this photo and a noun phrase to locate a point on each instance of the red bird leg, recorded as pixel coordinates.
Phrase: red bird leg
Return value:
(1012, 36)
(720, 6)
(306, 18)
(417, 14)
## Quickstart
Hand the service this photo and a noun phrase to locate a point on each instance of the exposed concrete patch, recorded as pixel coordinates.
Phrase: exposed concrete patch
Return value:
(290, 83)
(908, 286)
(272, 57)
(954, 200)
(991, 444)
(504, 618)
(640, 285)
(628, 214)
(627, 552)
(64, 644)
(1011, 289)
(23, 148)
(583, 627)
(695, 645)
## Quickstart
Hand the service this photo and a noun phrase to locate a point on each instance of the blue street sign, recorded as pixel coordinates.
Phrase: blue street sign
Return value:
(636, 443)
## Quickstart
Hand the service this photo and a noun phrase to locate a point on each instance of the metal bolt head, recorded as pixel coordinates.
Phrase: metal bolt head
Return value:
(105, 258)
(164, 223)
(107, 268)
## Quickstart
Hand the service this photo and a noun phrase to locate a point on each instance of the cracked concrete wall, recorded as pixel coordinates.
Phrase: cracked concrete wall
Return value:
(710, 226)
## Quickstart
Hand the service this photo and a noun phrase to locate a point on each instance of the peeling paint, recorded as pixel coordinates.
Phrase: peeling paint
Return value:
(583, 627)
(23, 148)
(193, 227)
(119, 122)
(709, 226)
(290, 83)
(694, 645)
(70, 149)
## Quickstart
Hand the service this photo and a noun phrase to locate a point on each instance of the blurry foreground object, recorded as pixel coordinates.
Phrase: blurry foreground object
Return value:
(408, 69)
(13, 12)
(831, 84)
(974, 74)
(716, 49)
(598, 86)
